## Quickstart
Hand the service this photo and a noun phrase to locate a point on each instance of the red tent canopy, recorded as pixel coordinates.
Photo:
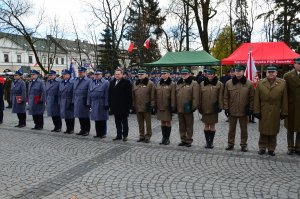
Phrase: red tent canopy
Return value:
(262, 53)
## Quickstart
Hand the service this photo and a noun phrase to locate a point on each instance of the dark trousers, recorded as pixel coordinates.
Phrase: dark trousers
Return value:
(121, 122)
(293, 144)
(100, 127)
(1, 116)
(70, 124)
(22, 118)
(85, 124)
(57, 122)
(38, 121)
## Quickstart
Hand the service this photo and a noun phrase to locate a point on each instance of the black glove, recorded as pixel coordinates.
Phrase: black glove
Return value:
(227, 112)
(106, 108)
(257, 115)
(282, 117)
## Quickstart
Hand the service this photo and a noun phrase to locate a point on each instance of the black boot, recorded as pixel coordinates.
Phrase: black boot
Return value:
(211, 139)
(163, 132)
(168, 133)
(206, 133)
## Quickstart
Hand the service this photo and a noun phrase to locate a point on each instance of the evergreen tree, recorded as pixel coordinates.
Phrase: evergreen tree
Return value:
(241, 25)
(288, 21)
(144, 19)
(109, 55)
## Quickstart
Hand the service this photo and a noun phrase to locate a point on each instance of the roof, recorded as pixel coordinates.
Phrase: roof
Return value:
(263, 53)
(185, 58)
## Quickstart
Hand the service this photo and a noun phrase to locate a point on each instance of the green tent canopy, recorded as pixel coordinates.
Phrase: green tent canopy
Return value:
(185, 58)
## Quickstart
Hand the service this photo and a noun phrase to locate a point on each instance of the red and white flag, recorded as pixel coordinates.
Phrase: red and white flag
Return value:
(130, 48)
(251, 68)
(147, 43)
(36, 65)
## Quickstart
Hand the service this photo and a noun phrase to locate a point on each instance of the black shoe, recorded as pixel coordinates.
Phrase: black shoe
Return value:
(34, 128)
(85, 133)
(182, 144)
(125, 139)
(141, 140)
(117, 138)
(22, 125)
(54, 130)
(57, 130)
(102, 136)
(188, 145)
(96, 136)
(229, 148)
(69, 132)
(244, 149)
(261, 151)
(80, 133)
(18, 125)
(167, 141)
(39, 128)
(271, 153)
(290, 152)
(147, 141)
(297, 152)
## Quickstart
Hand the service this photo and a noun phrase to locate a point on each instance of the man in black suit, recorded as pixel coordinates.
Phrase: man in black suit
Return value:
(120, 101)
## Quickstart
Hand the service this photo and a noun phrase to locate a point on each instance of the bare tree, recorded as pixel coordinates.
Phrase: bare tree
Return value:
(12, 20)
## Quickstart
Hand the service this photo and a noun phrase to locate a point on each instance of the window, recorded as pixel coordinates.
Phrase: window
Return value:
(6, 58)
(30, 59)
(56, 60)
(44, 60)
(19, 59)
(62, 61)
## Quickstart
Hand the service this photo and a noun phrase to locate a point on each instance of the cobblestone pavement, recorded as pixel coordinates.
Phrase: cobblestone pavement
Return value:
(41, 164)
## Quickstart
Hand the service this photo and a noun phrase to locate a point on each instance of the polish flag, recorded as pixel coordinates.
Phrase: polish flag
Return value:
(147, 43)
(36, 64)
(251, 68)
(130, 48)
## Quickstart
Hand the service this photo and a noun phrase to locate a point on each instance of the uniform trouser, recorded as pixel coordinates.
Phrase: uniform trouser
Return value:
(292, 143)
(38, 121)
(121, 122)
(232, 130)
(100, 127)
(1, 116)
(186, 127)
(144, 117)
(85, 124)
(22, 118)
(70, 124)
(57, 122)
(267, 142)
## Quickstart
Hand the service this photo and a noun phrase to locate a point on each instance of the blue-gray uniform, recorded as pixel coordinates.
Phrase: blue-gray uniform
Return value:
(52, 91)
(36, 100)
(81, 109)
(98, 100)
(18, 98)
(65, 99)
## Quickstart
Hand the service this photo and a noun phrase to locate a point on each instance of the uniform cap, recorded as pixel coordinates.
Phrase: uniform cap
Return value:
(35, 72)
(52, 72)
(239, 68)
(66, 71)
(81, 69)
(185, 71)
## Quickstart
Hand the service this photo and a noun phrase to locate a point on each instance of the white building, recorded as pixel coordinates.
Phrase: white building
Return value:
(54, 54)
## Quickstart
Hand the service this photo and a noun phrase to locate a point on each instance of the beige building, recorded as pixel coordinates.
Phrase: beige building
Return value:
(54, 54)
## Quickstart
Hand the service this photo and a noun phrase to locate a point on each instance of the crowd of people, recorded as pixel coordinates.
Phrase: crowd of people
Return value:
(93, 96)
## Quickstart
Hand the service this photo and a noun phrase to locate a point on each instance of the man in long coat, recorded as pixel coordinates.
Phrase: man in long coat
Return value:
(18, 98)
(81, 109)
(65, 100)
(52, 88)
(120, 88)
(292, 123)
(36, 100)
(270, 105)
(187, 100)
(97, 99)
(238, 104)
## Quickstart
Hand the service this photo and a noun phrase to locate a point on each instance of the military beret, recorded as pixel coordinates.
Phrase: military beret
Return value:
(35, 72)
(185, 71)
(18, 73)
(81, 69)
(297, 60)
(66, 71)
(52, 72)
(239, 68)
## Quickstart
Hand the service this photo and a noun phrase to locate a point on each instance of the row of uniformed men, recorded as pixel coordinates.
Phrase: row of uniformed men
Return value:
(184, 97)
